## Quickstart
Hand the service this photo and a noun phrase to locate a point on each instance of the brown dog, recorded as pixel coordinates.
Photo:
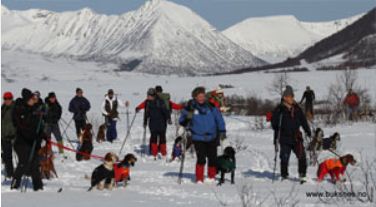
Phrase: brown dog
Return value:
(46, 162)
(86, 144)
(101, 136)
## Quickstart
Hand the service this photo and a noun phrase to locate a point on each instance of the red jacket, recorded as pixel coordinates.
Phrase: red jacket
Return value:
(352, 100)
(174, 106)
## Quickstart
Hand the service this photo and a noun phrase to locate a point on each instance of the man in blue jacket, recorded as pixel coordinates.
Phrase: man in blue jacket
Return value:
(79, 106)
(206, 125)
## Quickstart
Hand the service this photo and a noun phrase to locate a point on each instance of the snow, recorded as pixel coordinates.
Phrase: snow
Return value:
(275, 38)
(165, 37)
(154, 183)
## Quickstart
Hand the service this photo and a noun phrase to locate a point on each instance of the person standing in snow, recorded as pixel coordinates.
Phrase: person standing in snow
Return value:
(53, 111)
(206, 125)
(79, 106)
(352, 102)
(157, 115)
(111, 114)
(217, 98)
(287, 119)
(309, 97)
(29, 129)
(8, 133)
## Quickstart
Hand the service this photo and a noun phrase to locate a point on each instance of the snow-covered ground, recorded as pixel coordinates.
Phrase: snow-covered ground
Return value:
(154, 183)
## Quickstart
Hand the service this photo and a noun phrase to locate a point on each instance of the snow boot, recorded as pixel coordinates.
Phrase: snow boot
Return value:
(212, 172)
(200, 173)
(163, 149)
(302, 179)
(154, 149)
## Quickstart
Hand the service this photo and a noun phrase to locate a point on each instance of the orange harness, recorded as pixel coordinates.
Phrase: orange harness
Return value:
(121, 173)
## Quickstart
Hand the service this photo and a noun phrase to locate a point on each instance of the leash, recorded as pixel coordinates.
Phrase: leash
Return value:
(76, 151)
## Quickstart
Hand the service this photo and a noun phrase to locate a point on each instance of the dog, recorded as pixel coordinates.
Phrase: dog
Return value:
(47, 166)
(122, 169)
(177, 149)
(320, 143)
(103, 175)
(226, 163)
(85, 146)
(335, 167)
(101, 136)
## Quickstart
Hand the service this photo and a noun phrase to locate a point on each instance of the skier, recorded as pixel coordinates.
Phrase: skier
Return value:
(286, 120)
(8, 133)
(29, 130)
(111, 114)
(157, 115)
(79, 106)
(206, 125)
(217, 98)
(352, 104)
(166, 98)
(309, 97)
(53, 111)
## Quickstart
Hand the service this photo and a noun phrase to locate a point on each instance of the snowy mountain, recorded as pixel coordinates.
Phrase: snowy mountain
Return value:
(161, 37)
(275, 38)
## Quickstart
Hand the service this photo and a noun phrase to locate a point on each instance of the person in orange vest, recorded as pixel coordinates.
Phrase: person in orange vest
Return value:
(334, 167)
(351, 102)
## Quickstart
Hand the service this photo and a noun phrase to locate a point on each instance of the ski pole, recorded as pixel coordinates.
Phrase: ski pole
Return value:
(128, 133)
(67, 124)
(67, 138)
(276, 146)
(143, 150)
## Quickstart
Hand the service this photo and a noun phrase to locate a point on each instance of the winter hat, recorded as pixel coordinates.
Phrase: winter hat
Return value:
(8, 95)
(219, 90)
(51, 95)
(151, 92)
(26, 94)
(37, 93)
(78, 90)
(198, 90)
(110, 91)
(159, 89)
(288, 91)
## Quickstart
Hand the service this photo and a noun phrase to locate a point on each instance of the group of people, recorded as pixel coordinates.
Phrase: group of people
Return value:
(29, 120)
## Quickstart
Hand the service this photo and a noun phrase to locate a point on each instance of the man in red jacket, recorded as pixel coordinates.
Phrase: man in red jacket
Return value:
(352, 104)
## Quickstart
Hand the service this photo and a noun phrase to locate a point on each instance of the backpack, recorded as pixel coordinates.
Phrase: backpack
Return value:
(166, 98)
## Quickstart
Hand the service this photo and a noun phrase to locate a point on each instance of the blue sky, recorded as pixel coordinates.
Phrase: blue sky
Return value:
(220, 13)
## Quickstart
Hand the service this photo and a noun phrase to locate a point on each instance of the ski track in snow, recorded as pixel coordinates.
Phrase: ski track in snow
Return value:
(154, 183)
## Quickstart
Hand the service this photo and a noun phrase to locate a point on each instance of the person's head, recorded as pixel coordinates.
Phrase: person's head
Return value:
(350, 91)
(158, 89)
(308, 88)
(37, 94)
(79, 92)
(219, 91)
(51, 97)
(28, 96)
(199, 95)
(110, 93)
(8, 98)
(288, 95)
(151, 94)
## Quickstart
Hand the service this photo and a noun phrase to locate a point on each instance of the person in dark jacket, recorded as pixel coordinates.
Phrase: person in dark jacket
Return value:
(206, 125)
(287, 119)
(79, 106)
(8, 133)
(110, 112)
(53, 111)
(29, 129)
(157, 115)
(309, 97)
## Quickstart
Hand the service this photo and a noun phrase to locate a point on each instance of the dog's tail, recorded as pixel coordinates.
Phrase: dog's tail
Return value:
(91, 188)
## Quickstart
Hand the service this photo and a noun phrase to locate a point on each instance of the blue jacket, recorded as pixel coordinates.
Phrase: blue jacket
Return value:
(205, 123)
(79, 106)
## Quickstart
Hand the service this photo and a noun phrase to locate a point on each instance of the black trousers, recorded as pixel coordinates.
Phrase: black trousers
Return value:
(206, 150)
(285, 153)
(80, 125)
(158, 133)
(7, 156)
(24, 168)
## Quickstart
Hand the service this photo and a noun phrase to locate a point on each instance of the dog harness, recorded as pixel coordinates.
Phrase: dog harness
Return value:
(121, 172)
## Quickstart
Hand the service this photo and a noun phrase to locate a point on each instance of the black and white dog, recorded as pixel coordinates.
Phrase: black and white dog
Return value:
(320, 143)
(226, 163)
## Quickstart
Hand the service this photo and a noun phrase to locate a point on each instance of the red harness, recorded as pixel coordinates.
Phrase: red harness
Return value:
(121, 173)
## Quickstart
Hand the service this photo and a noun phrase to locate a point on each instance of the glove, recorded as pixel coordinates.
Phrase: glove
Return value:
(169, 122)
(137, 110)
(222, 136)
